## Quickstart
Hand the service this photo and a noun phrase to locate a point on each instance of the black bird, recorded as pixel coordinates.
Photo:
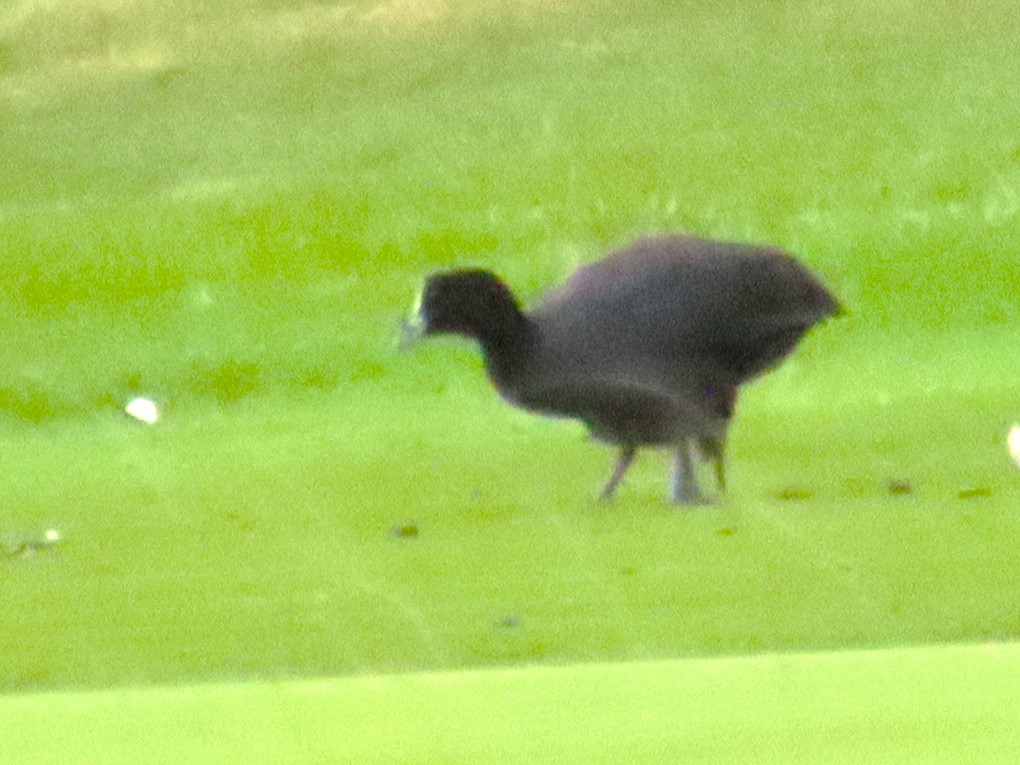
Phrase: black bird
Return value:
(647, 347)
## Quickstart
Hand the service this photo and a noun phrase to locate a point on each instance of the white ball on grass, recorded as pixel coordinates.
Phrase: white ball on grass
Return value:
(1013, 444)
(52, 535)
(143, 409)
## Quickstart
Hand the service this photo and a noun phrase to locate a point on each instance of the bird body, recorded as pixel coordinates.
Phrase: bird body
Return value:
(647, 347)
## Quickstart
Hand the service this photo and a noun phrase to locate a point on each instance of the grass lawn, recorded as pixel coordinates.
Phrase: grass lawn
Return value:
(938, 704)
(228, 206)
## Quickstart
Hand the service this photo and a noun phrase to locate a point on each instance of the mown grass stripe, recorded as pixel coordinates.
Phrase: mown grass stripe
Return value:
(934, 704)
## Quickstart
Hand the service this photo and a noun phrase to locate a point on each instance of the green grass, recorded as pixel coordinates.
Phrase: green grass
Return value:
(193, 546)
(229, 207)
(922, 705)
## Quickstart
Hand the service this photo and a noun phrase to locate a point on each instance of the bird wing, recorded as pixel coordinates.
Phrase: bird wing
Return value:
(669, 302)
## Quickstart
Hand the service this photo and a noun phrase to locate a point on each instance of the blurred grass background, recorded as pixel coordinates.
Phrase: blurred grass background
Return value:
(228, 206)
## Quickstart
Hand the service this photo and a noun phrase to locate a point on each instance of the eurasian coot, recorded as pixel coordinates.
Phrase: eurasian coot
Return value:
(647, 347)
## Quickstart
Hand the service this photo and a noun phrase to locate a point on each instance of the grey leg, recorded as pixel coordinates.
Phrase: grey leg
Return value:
(715, 449)
(720, 472)
(622, 463)
(685, 489)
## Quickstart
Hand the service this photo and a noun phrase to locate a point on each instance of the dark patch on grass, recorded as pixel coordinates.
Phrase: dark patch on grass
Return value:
(367, 370)
(317, 378)
(230, 381)
(793, 495)
(898, 487)
(25, 548)
(952, 192)
(974, 492)
(32, 403)
(405, 531)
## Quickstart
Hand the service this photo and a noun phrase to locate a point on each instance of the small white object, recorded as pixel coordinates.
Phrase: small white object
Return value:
(52, 535)
(144, 409)
(1013, 443)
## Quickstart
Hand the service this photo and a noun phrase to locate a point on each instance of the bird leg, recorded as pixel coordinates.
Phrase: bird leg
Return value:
(714, 449)
(622, 463)
(685, 489)
(720, 472)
